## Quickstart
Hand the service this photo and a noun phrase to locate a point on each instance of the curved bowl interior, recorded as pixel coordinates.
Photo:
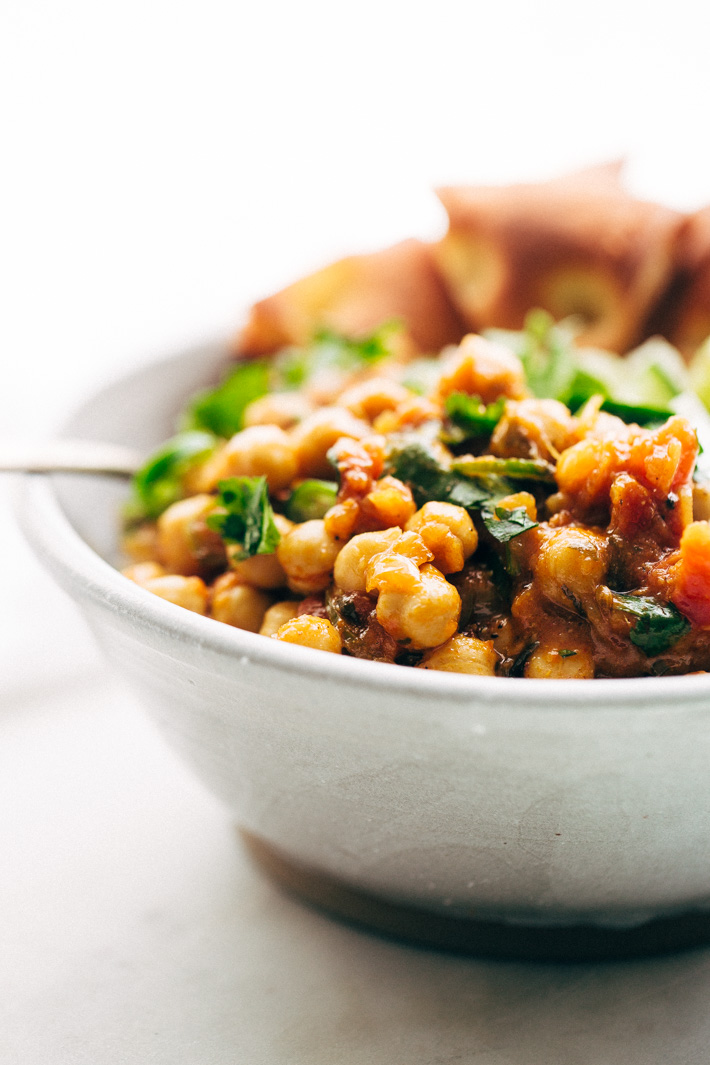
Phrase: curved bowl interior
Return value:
(535, 801)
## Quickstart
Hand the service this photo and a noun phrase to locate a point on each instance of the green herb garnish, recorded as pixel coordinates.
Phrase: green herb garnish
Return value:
(246, 517)
(471, 417)
(504, 524)
(332, 351)
(158, 484)
(636, 389)
(659, 625)
(417, 466)
(637, 414)
(566, 653)
(515, 469)
(547, 357)
(221, 410)
(311, 499)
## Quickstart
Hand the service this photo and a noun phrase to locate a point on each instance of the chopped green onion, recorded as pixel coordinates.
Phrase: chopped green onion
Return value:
(635, 414)
(471, 417)
(311, 499)
(516, 469)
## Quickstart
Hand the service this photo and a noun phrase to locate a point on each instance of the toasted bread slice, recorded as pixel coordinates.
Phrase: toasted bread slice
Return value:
(354, 296)
(578, 245)
(684, 316)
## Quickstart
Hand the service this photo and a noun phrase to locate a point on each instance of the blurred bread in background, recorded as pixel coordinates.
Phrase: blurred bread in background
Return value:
(684, 313)
(354, 296)
(578, 245)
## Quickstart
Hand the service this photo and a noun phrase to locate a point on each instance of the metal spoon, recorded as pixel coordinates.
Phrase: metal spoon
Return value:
(68, 456)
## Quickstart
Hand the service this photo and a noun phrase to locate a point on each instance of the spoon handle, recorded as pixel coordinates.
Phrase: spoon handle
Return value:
(68, 456)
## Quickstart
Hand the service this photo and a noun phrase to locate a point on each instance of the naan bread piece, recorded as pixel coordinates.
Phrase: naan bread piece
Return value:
(355, 296)
(685, 317)
(578, 245)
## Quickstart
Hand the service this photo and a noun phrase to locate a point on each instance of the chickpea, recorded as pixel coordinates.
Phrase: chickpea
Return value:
(310, 631)
(448, 532)
(238, 604)
(140, 572)
(141, 543)
(188, 592)
(426, 618)
(369, 398)
(341, 519)
(482, 368)
(393, 572)
(284, 409)
(519, 499)
(412, 411)
(261, 571)
(571, 563)
(317, 433)
(185, 543)
(355, 556)
(539, 428)
(397, 569)
(277, 615)
(389, 503)
(259, 451)
(549, 662)
(463, 654)
(307, 554)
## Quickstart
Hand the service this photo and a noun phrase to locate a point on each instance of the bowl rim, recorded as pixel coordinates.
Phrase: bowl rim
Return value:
(85, 574)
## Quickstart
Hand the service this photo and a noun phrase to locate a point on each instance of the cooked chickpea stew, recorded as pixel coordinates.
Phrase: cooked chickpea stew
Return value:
(504, 509)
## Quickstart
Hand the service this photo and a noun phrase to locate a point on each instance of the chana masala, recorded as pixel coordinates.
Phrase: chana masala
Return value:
(445, 513)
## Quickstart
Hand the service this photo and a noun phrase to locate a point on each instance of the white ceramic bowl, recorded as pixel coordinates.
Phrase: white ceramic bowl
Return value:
(529, 802)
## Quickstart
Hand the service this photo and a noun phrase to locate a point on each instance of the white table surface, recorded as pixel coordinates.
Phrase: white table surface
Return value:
(163, 164)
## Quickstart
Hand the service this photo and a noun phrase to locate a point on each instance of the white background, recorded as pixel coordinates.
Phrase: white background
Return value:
(161, 165)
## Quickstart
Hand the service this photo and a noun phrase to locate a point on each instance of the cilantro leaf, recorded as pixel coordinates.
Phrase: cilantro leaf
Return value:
(311, 499)
(659, 624)
(470, 417)
(221, 410)
(555, 369)
(158, 483)
(246, 518)
(504, 524)
(548, 358)
(414, 463)
(329, 350)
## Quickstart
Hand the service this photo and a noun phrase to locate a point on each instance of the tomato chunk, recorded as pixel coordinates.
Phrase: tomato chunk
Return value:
(692, 592)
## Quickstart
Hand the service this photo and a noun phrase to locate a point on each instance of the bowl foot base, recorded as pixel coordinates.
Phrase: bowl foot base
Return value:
(484, 939)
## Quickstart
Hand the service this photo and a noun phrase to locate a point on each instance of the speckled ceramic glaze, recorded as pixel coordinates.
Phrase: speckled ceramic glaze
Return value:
(540, 802)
